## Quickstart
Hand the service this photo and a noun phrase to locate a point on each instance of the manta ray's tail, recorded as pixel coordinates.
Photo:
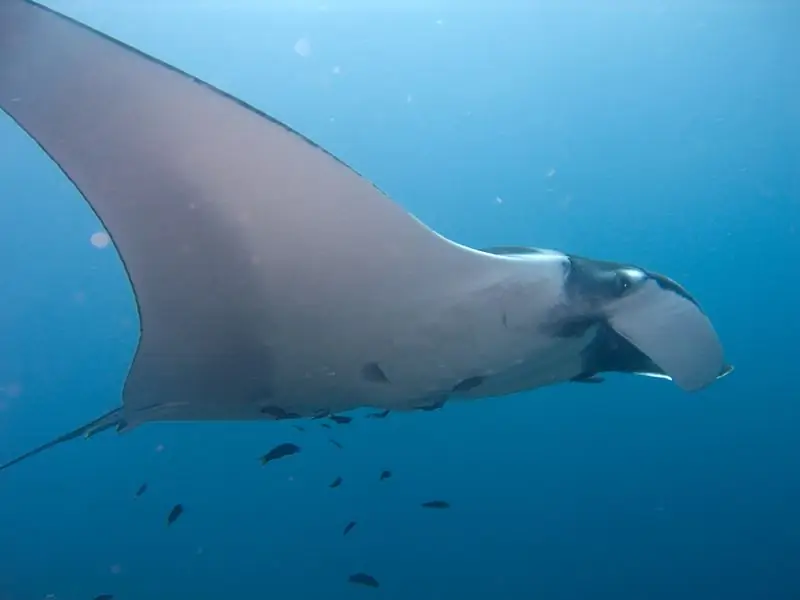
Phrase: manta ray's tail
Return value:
(113, 418)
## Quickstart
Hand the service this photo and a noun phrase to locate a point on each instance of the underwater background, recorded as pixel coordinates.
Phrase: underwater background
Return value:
(664, 134)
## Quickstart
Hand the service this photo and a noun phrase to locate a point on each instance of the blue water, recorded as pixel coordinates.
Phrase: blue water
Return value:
(666, 134)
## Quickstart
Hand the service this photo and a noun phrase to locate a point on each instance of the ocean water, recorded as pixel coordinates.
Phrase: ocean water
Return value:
(664, 134)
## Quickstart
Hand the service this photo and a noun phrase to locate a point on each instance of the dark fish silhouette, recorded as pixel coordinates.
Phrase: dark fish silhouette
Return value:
(364, 579)
(280, 451)
(336, 482)
(337, 444)
(385, 475)
(436, 504)
(434, 405)
(379, 415)
(299, 428)
(176, 512)
(349, 527)
(142, 489)
(104, 597)
(326, 426)
(340, 419)
(320, 414)
(279, 413)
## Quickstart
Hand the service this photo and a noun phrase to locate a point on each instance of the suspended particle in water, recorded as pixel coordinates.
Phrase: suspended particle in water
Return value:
(303, 47)
(100, 239)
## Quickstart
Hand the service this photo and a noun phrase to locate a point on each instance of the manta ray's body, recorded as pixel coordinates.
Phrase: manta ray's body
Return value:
(272, 280)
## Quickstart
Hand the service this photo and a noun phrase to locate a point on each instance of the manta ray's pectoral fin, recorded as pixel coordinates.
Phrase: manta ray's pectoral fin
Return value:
(114, 418)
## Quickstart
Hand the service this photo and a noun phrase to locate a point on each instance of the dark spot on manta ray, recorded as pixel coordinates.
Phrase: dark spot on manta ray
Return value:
(364, 579)
(142, 489)
(176, 512)
(379, 415)
(337, 444)
(278, 413)
(340, 419)
(349, 527)
(373, 372)
(470, 383)
(436, 504)
(385, 475)
(280, 451)
(336, 483)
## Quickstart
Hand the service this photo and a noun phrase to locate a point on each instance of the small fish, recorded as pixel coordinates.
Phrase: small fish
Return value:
(436, 504)
(379, 415)
(299, 428)
(385, 475)
(435, 405)
(280, 451)
(326, 426)
(336, 482)
(340, 419)
(364, 579)
(337, 444)
(104, 597)
(142, 489)
(278, 413)
(321, 414)
(349, 527)
(176, 512)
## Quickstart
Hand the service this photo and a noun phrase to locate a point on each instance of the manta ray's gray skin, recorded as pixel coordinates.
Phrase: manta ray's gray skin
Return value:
(271, 280)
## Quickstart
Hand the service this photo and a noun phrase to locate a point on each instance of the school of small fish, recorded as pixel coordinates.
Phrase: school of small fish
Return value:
(287, 449)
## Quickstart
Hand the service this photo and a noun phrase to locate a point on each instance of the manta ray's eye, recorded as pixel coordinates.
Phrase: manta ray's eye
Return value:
(623, 283)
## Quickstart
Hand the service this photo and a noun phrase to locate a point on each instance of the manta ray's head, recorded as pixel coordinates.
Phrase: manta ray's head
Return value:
(646, 324)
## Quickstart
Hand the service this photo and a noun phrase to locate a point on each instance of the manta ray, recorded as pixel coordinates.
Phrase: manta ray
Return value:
(272, 280)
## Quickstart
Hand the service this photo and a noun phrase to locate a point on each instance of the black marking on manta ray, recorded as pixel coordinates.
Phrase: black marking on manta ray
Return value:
(373, 372)
(207, 85)
(470, 383)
